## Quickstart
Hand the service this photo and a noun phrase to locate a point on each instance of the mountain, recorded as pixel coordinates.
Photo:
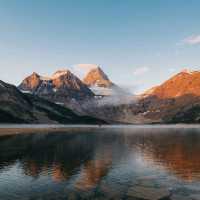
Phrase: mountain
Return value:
(177, 100)
(100, 84)
(17, 107)
(31, 83)
(62, 87)
(183, 83)
(96, 77)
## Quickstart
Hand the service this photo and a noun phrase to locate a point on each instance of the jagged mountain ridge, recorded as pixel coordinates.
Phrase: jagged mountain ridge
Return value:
(17, 107)
(61, 87)
(184, 83)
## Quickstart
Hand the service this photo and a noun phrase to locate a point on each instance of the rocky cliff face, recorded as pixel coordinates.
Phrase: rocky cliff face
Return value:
(31, 83)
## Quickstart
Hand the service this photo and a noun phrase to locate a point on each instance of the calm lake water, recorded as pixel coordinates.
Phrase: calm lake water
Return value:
(102, 163)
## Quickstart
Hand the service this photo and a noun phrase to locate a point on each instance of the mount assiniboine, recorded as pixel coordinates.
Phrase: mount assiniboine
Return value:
(58, 97)
(96, 77)
(100, 84)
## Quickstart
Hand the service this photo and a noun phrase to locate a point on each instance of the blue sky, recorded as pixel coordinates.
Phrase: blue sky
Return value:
(138, 43)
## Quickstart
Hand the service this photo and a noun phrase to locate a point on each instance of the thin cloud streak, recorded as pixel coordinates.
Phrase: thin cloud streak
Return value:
(192, 40)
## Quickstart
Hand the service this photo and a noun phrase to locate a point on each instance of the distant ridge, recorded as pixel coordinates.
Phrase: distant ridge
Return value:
(183, 83)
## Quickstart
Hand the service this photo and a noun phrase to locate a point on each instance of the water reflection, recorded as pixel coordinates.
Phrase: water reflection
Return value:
(178, 153)
(101, 160)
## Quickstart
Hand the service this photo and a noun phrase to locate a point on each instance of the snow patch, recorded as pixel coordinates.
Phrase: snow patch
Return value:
(188, 71)
(26, 91)
(59, 103)
(59, 73)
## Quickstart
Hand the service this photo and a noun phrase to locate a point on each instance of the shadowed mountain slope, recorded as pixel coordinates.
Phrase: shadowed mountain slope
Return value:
(17, 107)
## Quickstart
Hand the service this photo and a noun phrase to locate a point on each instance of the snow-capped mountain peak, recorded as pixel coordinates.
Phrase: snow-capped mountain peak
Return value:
(96, 77)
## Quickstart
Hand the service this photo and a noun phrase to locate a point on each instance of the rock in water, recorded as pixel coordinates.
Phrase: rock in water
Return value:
(148, 193)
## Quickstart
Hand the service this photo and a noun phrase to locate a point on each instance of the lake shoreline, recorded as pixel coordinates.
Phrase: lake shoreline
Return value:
(15, 129)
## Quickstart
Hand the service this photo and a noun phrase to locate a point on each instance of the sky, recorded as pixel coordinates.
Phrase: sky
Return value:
(138, 43)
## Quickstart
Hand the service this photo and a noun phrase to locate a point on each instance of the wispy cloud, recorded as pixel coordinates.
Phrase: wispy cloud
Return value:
(192, 40)
(140, 70)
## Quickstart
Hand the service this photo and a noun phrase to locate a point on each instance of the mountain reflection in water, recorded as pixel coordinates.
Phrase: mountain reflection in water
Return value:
(94, 163)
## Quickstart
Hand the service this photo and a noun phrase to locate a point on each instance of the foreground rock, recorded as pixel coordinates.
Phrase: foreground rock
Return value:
(147, 193)
(180, 197)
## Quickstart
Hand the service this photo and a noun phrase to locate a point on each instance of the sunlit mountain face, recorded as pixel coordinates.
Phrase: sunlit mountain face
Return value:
(60, 87)
(101, 163)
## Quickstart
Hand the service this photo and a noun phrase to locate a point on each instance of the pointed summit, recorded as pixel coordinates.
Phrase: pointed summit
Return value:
(31, 83)
(96, 77)
(35, 74)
